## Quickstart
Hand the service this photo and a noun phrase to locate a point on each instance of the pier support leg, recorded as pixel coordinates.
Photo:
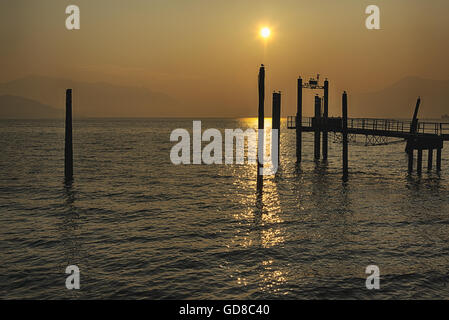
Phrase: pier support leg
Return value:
(345, 135)
(439, 159)
(429, 159)
(299, 123)
(325, 117)
(68, 152)
(419, 162)
(410, 160)
(317, 128)
(260, 142)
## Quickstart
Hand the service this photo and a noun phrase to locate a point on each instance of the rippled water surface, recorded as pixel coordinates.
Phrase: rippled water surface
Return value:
(138, 226)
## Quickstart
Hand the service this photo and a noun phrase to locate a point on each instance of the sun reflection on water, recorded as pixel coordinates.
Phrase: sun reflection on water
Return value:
(259, 227)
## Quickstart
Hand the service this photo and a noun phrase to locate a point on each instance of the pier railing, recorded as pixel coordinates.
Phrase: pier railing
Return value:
(380, 124)
(433, 127)
(375, 125)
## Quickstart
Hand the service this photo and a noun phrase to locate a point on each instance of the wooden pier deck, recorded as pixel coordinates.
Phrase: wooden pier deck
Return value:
(375, 127)
(420, 136)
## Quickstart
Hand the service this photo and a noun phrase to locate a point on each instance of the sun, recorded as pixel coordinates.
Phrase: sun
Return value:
(265, 32)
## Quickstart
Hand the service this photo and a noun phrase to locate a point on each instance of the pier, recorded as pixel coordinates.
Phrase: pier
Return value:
(420, 136)
(429, 136)
(376, 127)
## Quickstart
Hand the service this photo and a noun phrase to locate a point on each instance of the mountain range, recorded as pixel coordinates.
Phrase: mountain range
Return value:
(96, 99)
(399, 99)
(13, 107)
(44, 97)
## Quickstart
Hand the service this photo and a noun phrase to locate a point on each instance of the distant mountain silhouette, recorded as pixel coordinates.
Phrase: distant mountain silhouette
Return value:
(398, 100)
(93, 99)
(13, 107)
(99, 99)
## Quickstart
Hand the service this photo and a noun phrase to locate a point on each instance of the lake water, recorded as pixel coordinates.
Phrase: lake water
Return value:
(139, 227)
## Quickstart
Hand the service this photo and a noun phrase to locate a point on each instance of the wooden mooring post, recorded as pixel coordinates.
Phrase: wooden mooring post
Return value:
(317, 126)
(413, 126)
(345, 135)
(260, 142)
(276, 122)
(299, 122)
(325, 118)
(68, 152)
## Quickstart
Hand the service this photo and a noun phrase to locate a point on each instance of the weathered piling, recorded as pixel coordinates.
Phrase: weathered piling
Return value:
(260, 153)
(413, 125)
(410, 160)
(68, 152)
(317, 126)
(439, 159)
(419, 161)
(276, 122)
(345, 135)
(429, 159)
(325, 118)
(299, 122)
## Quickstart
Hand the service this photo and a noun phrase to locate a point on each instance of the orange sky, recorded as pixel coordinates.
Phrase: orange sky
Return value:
(206, 53)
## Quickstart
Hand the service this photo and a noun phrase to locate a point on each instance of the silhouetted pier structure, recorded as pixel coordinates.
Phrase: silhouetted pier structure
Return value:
(419, 135)
(376, 127)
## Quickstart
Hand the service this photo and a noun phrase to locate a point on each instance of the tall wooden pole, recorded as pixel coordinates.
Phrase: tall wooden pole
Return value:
(299, 122)
(345, 135)
(276, 121)
(279, 127)
(261, 143)
(325, 117)
(68, 154)
(317, 128)
(413, 125)
(439, 159)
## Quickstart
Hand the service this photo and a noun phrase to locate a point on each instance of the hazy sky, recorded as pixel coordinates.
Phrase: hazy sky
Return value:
(206, 52)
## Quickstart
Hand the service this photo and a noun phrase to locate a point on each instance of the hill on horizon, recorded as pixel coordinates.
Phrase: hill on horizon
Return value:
(96, 99)
(13, 107)
(398, 100)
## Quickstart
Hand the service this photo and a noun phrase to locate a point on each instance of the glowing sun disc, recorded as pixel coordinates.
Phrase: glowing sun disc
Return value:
(265, 32)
